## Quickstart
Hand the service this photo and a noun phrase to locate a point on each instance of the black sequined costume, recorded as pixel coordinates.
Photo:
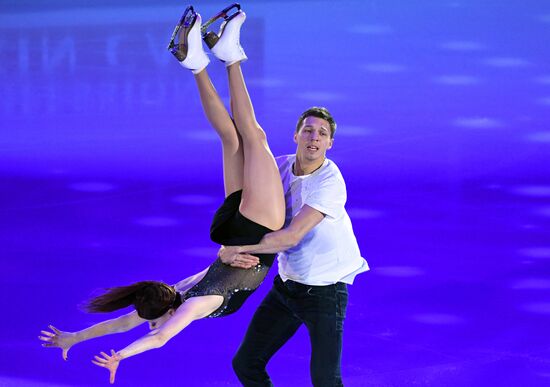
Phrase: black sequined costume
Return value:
(230, 228)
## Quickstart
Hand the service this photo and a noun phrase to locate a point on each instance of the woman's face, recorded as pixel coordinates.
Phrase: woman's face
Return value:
(157, 323)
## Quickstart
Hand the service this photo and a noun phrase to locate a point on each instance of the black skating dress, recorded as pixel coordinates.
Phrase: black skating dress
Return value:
(230, 228)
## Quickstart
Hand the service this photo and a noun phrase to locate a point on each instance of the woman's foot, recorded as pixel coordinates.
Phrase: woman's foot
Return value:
(186, 43)
(227, 47)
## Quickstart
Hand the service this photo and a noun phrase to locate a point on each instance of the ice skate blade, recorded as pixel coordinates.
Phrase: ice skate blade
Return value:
(210, 37)
(187, 22)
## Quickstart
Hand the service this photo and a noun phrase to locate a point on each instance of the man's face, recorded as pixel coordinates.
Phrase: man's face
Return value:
(313, 138)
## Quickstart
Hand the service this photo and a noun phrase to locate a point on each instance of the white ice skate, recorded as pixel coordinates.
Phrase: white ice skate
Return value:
(226, 44)
(186, 43)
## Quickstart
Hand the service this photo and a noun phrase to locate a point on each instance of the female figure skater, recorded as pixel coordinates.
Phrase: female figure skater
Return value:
(254, 206)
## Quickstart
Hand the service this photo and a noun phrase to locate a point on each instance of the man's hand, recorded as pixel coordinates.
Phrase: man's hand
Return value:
(58, 339)
(109, 362)
(231, 255)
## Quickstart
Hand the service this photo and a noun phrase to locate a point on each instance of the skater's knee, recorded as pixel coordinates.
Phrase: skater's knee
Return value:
(260, 134)
(252, 133)
(240, 364)
(245, 365)
(230, 141)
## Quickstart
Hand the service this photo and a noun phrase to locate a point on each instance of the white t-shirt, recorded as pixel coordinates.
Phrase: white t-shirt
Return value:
(329, 252)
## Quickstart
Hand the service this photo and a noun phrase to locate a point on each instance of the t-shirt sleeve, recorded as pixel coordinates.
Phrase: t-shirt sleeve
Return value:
(329, 197)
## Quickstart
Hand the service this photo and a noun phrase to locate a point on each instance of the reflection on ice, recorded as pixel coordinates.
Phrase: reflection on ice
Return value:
(545, 80)
(456, 80)
(532, 283)
(7, 381)
(157, 221)
(195, 199)
(437, 319)
(532, 190)
(477, 122)
(383, 67)
(353, 131)
(320, 96)
(266, 82)
(537, 307)
(462, 46)
(91, 187)
(363, 213)
(506, 62)
(371, 29)
(535, 252)
(543, 211)
(398, 271)
(539, 137)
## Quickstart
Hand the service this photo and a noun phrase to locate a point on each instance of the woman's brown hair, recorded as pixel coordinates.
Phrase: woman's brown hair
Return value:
(151, 299)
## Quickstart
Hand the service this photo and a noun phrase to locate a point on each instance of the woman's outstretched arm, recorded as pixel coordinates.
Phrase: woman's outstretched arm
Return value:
(54, 338)
(192, 309)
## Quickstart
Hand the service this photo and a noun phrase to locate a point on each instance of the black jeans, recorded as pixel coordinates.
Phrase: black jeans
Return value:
(287, 306)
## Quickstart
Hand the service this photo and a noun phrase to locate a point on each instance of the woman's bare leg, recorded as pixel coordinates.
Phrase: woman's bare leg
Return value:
(263, 198)
(217, 115)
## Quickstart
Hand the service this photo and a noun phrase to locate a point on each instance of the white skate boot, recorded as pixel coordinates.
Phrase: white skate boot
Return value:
(186, 43)
(226, 44)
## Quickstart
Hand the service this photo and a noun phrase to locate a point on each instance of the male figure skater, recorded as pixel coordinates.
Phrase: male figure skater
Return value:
(318, 257)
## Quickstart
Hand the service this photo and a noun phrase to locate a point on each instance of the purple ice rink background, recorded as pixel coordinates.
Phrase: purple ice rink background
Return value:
(110, 174)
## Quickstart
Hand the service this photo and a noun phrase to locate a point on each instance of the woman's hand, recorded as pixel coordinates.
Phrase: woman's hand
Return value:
(231, 255)
(109, 362)
(58, 339)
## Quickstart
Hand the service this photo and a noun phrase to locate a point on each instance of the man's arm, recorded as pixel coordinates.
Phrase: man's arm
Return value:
(274, 242)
